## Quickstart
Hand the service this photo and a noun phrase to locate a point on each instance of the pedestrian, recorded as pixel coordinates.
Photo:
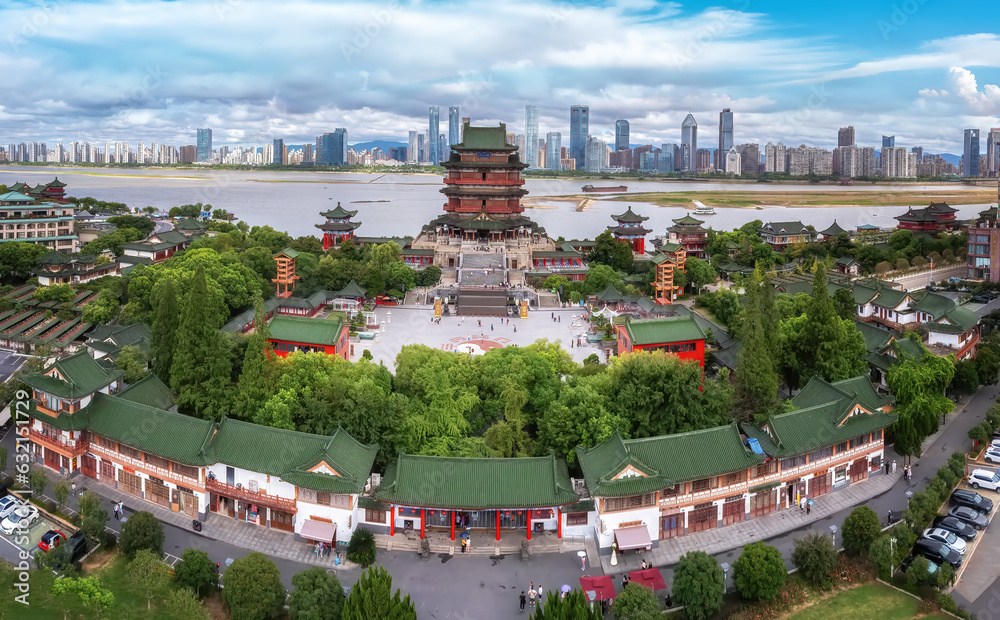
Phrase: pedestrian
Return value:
(539, 593)
(491, 326)
(669, 601)
(808, 507)
(531, 596)
(73, 487)
(523, 600)
(887, 468)
(515, 329)
(894, 466)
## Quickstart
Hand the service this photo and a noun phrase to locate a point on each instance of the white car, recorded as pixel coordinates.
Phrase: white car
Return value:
(7, 505)
(20, 518)
(994, 443)
(984, 478)
(946, 537)
(992, 455)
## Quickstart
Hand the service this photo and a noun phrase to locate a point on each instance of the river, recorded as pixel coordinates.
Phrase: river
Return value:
(399, 204)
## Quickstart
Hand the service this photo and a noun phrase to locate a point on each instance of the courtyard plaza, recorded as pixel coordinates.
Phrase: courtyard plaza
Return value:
(400, 326)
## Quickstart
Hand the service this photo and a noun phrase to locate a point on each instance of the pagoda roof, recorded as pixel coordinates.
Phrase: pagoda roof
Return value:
(788, 228)
(463, 191)
(55, 257)
(629, 217)
(942, 207)
(338, 226)
(75, 376)
(484, 139)
(324, 332)
(17, 186)
(992, 212)
(485, 221)
(833, 230)
(659, 331)
(288, 252)
(339, 213)
(918, 215)
(149, 391)
(15, 196)
(189, 223)
(687, 220)
(629, 230)
(56, 183)
(353, 289)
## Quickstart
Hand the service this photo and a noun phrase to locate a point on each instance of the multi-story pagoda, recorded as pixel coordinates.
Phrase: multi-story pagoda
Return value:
(687, 232)
(930, 219)
(338, 227)
(629, 229)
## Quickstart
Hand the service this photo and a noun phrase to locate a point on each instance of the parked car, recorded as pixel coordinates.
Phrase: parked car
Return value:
(77, 545)
(964, 497)
(937, 551)
(985, 478)
(22, 517)
(7, 505)
(970, 516)
(51, 539)
(981, 299)
(948, 538)
(992, 455)
(994, 443)
(932, 567)
(955, 526)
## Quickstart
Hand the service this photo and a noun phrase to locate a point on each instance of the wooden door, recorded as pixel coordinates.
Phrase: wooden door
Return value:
(733, 511)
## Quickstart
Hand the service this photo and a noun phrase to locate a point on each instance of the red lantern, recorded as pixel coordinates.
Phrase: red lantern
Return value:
(432, 513)
(508, 513)
(519, 513)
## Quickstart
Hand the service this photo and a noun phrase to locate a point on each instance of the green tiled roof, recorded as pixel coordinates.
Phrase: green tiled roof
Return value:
(687, 220)
(664, 460)
(149, 391)
(875, 337)
(934, 305)
(833, 230)
(846, 260)
(64, 421)
(474, 483)
(818, 392)
(908, 347)
(890, 298)
(609, 294)
(804, 430)
(788, 228)
(81, 374)
(306, 331)
(54, 257)
(863, 294)
(15, 196)
(958, 319)
(172, 236)
(340, 213)
(289, 252)
(484, 138)
(656, 331)
(289, 455)
(629, 216)
(189, 223)
(173, 436)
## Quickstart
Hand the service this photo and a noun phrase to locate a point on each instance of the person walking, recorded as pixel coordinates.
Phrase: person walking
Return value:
(531, 596)
(539, 593)
(808, 507)
(523, 600)
(73, 487)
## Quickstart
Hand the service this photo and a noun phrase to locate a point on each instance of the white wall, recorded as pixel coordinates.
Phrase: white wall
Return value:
(608, 523)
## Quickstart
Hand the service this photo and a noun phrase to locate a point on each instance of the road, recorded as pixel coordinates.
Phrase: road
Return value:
(162, 226)
(921, 280)
(9, 363)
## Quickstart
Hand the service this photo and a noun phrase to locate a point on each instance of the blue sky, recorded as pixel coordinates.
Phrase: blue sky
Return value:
(155, 70)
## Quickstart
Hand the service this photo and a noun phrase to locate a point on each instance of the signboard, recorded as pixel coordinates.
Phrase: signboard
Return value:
(129, 470)
(484, 154)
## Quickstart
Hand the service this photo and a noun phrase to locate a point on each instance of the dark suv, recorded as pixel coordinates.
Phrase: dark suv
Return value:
(936, 551)
(964, 497)
(956, 526)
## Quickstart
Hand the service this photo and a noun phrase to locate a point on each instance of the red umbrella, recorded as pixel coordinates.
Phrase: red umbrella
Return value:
(651, 578)
(598, 588)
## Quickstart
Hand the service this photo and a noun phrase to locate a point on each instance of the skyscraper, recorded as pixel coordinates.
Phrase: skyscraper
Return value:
(888, 141)
(992, 152)
(333, 149)
(621, 135)
(665, 163)
(845, 136)
(412, 152)
(689, 143)
(278, 152)
(970, 156)
(454, 128)
(204, 146)
(531, 136)
(553, 151)
(579, 127)
(725, 139)
(596, 154)
(433, 156)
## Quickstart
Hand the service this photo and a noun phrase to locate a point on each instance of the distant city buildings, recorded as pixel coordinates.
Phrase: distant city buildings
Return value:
(725, 138)
(970, 155)
(433, 155)
(621, 135)
(553, 151)
(279, 155)
(733, 162)
(454, 128)
(774, 158)
(888, 141)
(689, 143)
(204, 146)
(845, 136)
(531, 136)
(579, 128)
(992, 152)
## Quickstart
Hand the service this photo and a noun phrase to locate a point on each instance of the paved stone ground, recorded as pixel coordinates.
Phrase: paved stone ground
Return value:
(412, 325)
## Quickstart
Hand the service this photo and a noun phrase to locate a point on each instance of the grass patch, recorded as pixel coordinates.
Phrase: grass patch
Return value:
(873, 600)
(130, 602)
(746, 199)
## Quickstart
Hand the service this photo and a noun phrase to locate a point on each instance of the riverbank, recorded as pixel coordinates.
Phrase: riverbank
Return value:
(856, 198)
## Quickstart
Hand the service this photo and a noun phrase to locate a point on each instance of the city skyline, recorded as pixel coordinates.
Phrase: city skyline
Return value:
(792, 77)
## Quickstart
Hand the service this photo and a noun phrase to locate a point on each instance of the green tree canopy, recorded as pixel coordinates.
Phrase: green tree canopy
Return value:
(860, 530)
(698, 585)
(607, 251)
(636, 602)
(17, 258)
(574, 606)
(316, 595)
(253, 589)
(372, 597)
(815, 557)
(196, 571)
(141, 531)
(759, 572)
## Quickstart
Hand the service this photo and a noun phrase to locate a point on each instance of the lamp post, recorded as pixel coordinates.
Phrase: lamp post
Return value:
(892, 557)
(833, 535)
(725, 577)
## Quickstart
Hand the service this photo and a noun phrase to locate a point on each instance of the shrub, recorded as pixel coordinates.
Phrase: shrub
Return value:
(361, 549)
(759, 572)
(815, 557)
(637, 603)
(860, 530)
(196, 571)
(110, 540)
(50, 506)
(698, 585)
(317, 595)
(142, 531)
(253, 589)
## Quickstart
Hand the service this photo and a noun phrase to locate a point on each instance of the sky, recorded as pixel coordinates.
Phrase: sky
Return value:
(155, 70)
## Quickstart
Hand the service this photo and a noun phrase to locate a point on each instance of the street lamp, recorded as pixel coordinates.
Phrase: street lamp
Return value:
(725, 577)
(833, 535)
(892, 557)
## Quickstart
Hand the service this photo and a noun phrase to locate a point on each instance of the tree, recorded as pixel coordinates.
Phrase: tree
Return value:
(253, 589)
(902, 264)
(372, 597)
(93, 518)
(184, 603)
(92, 594)
(637, 602)
(134, 361)
(141, 531)
(615, 254)
(966, 379)
(144, 225)
(201, 366)
(103, 309)
(61, 491)
(196, 571)
(17, 258)
(164, 330)
(860, 530)
(148, 573)
(756, 370)
(254, 388)
(815, 557)
(759, 572)
(699, 585)
(883, 268)
(574, 606)
(37, 479)
(843, 304)
(599, 277)
(316, 595)
(829, 347)
(699, 273)
(361, 549)
(429, 276)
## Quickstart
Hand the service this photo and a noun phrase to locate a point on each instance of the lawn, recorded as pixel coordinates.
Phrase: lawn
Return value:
(129, 601)
(869, 601)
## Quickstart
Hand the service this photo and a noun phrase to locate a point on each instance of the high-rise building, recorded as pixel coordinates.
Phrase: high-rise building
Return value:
(553, 149)
(888, 141)
(421, 149)
(333, 151)
(749, 159)
(896, 162)
(733, 163)
(636, 159)
(596, 154)
(278, 154)
(204, 146)
(412, 151)
(689, 143)
(845, 136)
(579, 128)
(443, 151)
(970, 155)
(725, 138)
(621, 135)
(307, 153)
(531, 136)
(993, 152)
(433, 156)
(665, 163)
(454, 128)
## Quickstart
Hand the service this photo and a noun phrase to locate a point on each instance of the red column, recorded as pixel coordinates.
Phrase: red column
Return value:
(392, 520)
(559, 523)
(498, 523)
(423, 515)
(529, 525)
(453, 525)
